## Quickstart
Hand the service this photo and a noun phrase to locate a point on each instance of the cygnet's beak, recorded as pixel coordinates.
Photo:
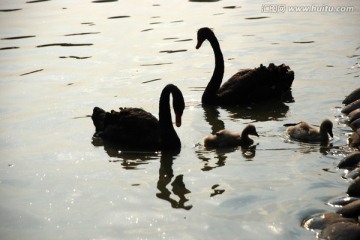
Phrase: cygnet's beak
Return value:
(256, 134)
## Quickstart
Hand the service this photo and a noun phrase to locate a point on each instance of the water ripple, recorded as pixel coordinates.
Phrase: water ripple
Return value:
(88, 23)
(231, 7)
(18, 37)
(85, 33)
(256, 18)
(104, 1)
(179, 40)
(153, 80)
(35, 71)
(65, 45)
(155, 64)
(76, 57)
(9, 48)
(304, 42)
(115, 17)
(204, 0)
(353, 56)
(173, 51)
(37, 1)
(10, 10)
(146, 30)
(184, 40)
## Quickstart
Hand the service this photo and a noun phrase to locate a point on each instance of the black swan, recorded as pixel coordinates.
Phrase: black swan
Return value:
(246, 86)
(305, 132)
(225, 138)
(136, 129)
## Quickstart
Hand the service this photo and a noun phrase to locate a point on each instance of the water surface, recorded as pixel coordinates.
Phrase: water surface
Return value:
(59, 59)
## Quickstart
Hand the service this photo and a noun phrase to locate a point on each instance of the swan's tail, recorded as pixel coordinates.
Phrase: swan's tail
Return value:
(282, 75)
(98, 118)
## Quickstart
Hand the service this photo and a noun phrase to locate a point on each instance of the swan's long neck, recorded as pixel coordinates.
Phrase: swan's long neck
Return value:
(169, 138)
(213, 86)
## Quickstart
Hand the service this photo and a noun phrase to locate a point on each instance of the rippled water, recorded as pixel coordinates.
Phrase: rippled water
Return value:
(59, 59)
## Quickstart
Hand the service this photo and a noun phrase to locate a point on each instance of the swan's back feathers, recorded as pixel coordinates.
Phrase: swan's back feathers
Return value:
(133, 118)
(130, 127)
(254, 85)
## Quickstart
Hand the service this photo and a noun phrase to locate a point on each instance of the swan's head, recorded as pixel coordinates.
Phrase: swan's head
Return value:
(326, 126)
(203, 34)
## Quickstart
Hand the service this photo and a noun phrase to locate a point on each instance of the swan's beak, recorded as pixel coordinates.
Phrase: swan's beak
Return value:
(178, 120)
(198, 45)
(331, 134)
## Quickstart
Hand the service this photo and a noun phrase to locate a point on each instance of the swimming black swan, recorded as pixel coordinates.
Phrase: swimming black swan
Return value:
(225, 138)
(246, 86)
(136, 129)
(305, 132)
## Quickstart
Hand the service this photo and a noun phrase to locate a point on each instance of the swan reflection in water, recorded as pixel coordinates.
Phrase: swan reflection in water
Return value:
(261, 112)
(166, 175)
(257, 112)
(131, 160)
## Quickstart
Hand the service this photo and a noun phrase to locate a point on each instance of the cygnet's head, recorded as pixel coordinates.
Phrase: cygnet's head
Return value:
(326, 126)
(250, 130)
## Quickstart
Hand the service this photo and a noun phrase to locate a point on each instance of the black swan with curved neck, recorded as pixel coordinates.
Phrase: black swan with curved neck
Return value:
(136, 129)
(246, 86)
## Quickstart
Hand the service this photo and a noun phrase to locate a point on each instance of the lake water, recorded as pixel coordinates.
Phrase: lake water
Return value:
(59, 59)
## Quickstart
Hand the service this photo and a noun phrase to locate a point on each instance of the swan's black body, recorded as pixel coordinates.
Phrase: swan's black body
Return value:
(136, 129)
(246, 86)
